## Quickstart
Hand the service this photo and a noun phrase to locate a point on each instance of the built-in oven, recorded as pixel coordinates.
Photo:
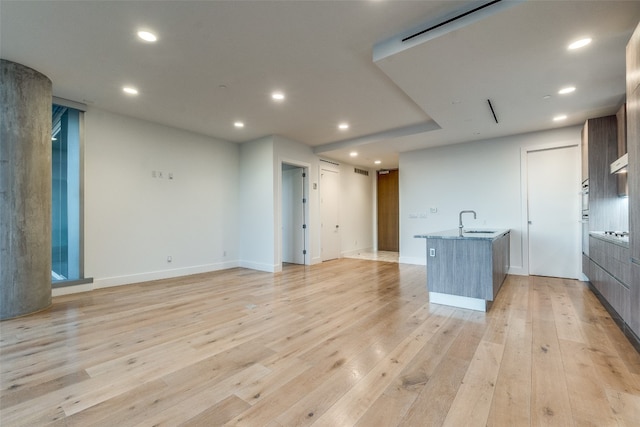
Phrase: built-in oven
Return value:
(585, 217)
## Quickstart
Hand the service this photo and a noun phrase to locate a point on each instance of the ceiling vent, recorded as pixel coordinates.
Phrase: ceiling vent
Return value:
(457, 17)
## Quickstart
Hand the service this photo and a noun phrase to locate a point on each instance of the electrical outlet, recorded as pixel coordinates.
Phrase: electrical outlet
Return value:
(169, 259)
(432, 251)
(224, 253)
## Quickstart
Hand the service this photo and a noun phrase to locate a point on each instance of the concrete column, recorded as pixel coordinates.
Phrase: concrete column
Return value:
(25, 190)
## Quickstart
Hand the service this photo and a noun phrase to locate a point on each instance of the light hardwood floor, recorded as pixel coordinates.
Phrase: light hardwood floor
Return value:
(346, 343)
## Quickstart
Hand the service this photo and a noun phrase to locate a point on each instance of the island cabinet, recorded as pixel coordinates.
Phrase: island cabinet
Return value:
(466, 271)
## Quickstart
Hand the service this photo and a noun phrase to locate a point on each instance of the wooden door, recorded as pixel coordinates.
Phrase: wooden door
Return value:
(388, 211)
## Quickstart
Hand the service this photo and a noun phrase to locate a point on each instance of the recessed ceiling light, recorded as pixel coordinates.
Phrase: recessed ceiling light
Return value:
(377, 162)
(353, 154)
(343, 126)
(566, 90)
(546, 97)
(238, 124)
(579, 43)
(559, 118)
(147, 36)
(129, 90)
(277, 96)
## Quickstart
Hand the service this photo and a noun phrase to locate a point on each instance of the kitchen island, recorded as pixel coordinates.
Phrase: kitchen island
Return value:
(466, 269)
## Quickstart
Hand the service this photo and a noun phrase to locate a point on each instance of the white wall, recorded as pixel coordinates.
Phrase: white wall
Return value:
(133, 221)
(257, 207)
(357, 205)
(484, 176)
(356, 200)
(220, 210)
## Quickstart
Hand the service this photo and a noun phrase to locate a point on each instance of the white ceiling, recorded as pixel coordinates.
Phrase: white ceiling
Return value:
(218, 61)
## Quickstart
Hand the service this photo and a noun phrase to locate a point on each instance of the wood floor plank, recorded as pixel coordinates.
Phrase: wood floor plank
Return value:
(511, 404)
(404, 390)
(472, 403)
(347, 342)
(550, 404)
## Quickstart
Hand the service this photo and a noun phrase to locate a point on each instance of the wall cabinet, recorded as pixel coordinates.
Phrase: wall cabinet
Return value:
(601, 137)
(633, 138)
(633, 148)
(621, 119)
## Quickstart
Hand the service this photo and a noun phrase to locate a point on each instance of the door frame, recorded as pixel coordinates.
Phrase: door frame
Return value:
(524, 191)
(332, 168)
(278, 205)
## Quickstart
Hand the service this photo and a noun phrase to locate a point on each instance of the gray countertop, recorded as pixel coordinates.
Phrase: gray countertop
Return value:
(478, 234)
(620, 241)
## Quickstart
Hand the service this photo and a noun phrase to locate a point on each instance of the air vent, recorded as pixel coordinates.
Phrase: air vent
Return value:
(492, 110)
(330, 162)
(361, 171)
(450, 20)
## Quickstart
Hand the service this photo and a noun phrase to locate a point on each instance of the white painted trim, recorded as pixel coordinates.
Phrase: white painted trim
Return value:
(278, 210)
(458, 301)
(524, 195)
(412, 260)
(517, 271)
(68, 290)
(269, 268)
(108, 282)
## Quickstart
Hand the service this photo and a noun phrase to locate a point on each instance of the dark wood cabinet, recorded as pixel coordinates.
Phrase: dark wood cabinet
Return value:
(601, 136)
(633, 145)
(621, 119)
(633, 148)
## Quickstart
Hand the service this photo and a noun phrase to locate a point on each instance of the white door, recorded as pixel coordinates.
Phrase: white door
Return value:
(329, 196)
(554, 212)
(293, 250)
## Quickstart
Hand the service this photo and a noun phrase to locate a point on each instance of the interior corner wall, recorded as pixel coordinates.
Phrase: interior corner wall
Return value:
(134, 220)
(256, 204)
(296, 153)
(484, 176)
(357, 206)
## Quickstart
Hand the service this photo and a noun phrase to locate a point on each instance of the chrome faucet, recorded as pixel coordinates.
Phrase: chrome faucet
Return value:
(460, 226)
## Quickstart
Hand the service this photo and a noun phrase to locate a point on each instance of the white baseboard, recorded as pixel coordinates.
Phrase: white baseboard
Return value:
(458, 301)
(269, 268)
(75, 289)
(107, 282)
(517, 270)
(412, 260)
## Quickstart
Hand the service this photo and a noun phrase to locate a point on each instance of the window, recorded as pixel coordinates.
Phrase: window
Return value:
(66, 191)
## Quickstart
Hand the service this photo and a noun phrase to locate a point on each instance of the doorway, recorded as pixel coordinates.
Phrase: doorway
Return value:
(388, 211)
(329, 213)
(294, 226)
(553, 211)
